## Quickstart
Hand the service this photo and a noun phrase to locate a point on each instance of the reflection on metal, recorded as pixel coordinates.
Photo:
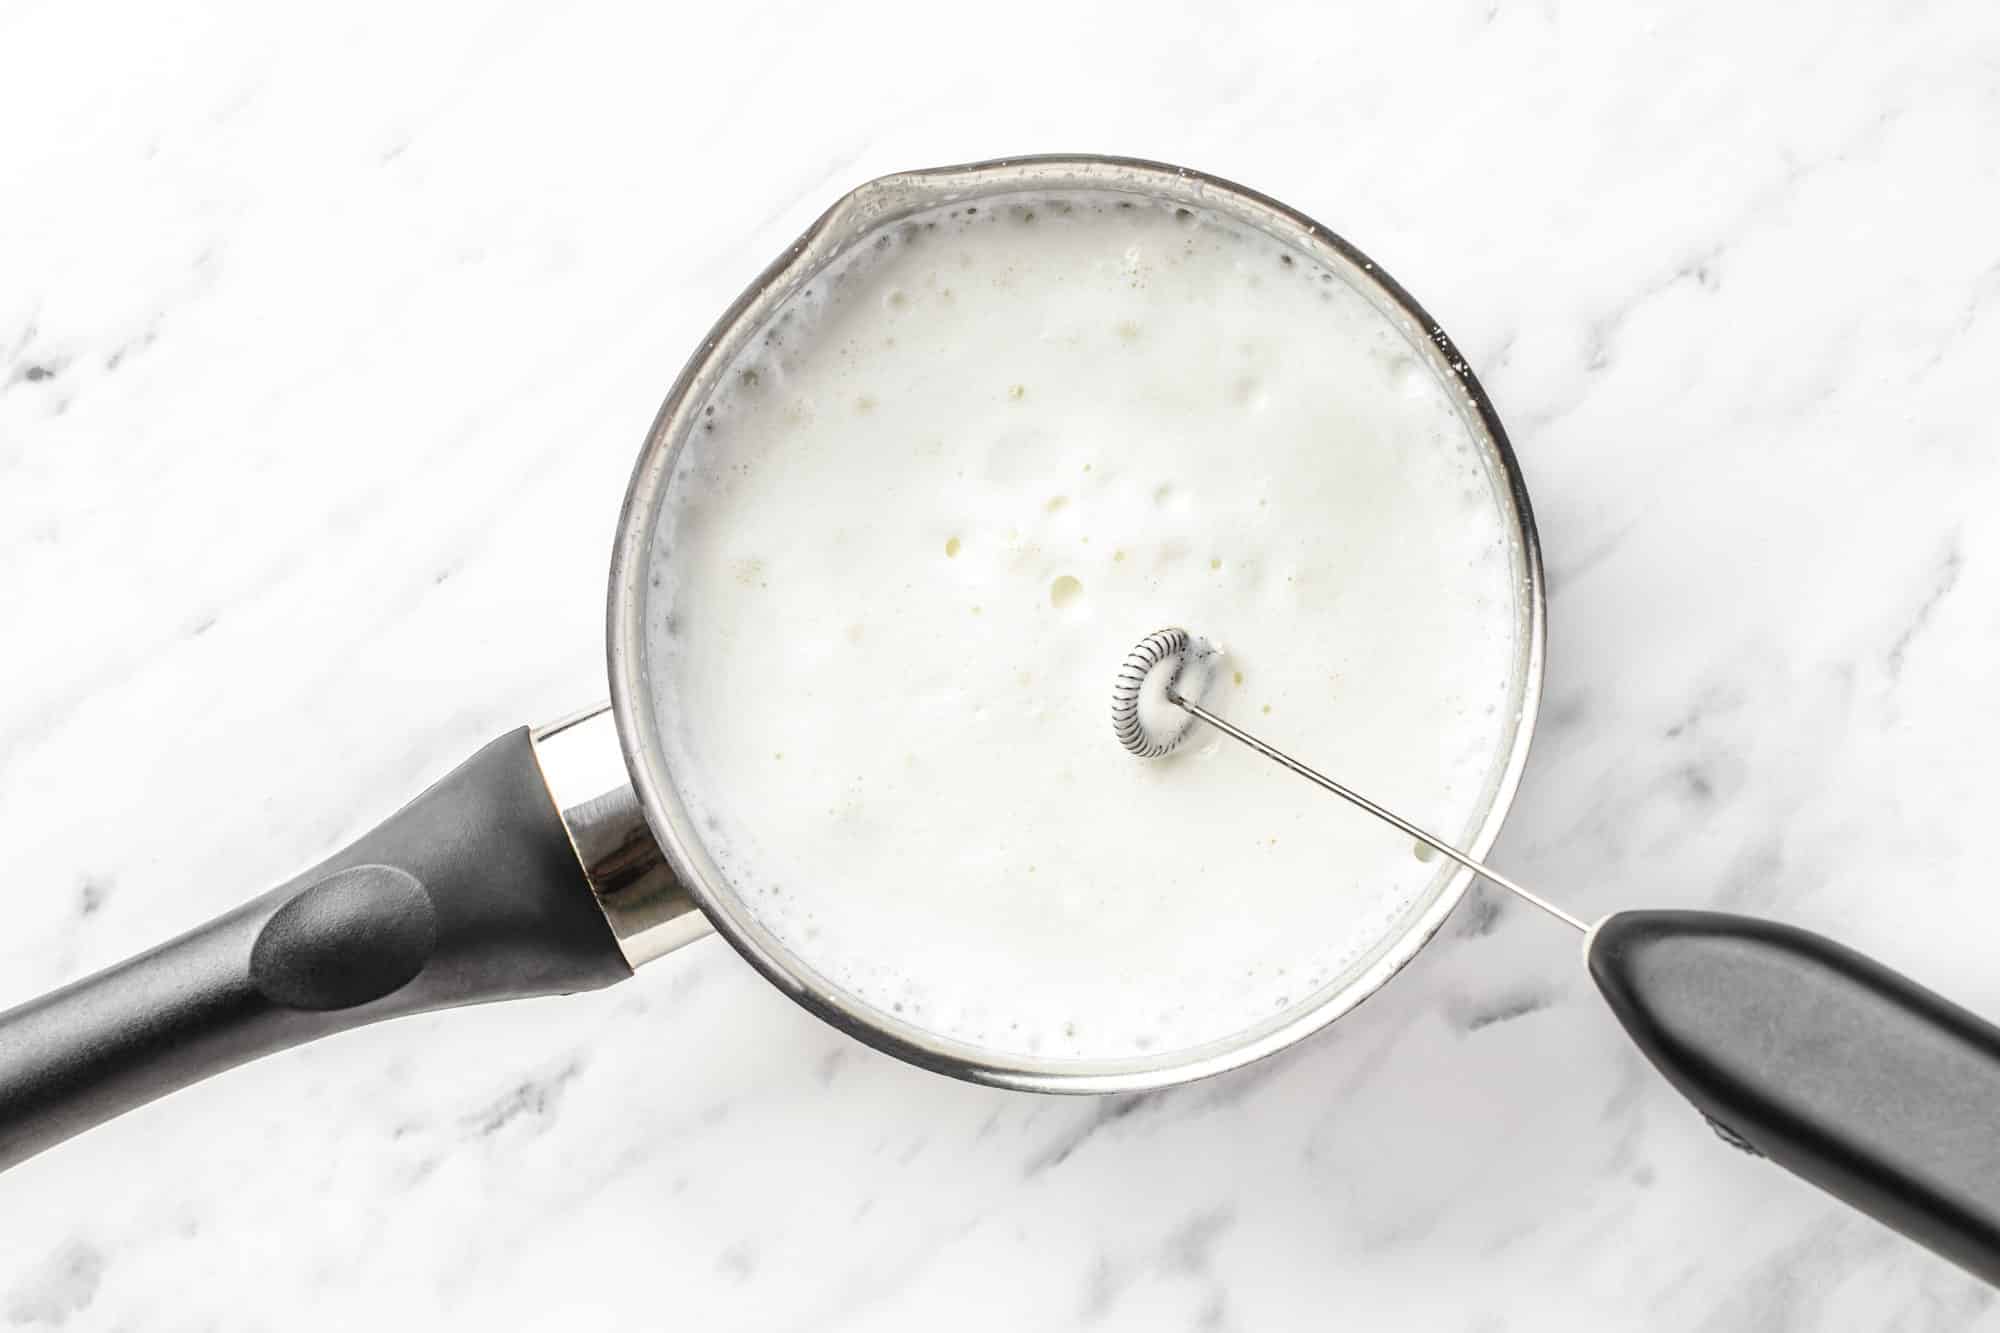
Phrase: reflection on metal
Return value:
(649, 910)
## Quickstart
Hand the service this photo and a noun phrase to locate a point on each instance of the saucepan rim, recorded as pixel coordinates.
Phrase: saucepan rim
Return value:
(858, 214)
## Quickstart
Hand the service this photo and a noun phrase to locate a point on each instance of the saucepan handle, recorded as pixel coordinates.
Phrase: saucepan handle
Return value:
(472, 892)
(1852, 1076)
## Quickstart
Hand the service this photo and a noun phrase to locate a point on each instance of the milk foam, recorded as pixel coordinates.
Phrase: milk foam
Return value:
(924, 520)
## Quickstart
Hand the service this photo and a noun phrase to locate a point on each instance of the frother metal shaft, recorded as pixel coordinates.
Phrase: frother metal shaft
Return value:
(1443, 848)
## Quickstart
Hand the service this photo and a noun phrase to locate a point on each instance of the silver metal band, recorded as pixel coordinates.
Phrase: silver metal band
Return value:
(650, 910)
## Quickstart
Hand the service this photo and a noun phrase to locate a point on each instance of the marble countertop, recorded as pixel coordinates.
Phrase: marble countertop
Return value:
(327, 337)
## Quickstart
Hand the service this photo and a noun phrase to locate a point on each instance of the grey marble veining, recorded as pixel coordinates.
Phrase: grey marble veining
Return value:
(326, 340)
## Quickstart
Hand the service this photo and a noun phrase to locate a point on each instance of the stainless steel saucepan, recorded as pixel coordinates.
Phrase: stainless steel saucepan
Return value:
(561, 858)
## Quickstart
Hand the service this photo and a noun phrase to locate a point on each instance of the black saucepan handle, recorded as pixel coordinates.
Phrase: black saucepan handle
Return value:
(1882, 1093)
(472, 892)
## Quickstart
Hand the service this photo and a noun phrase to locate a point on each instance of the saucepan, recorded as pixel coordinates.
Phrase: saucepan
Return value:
(560, 858)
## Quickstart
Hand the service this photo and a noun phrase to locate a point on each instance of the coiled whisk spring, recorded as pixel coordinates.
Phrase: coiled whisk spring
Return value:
(1146, 656)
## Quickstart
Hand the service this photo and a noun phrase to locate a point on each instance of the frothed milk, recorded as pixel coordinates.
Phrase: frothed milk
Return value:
(954, 481)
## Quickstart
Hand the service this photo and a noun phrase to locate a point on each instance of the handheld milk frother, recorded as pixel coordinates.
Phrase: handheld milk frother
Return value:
(560, 858)
(1794, 1047)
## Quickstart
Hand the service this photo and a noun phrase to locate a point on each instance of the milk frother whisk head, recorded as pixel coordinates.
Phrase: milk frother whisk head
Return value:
(1155, 704)
(1157, 668)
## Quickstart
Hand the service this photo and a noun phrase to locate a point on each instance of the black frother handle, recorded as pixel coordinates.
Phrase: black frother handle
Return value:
(471, 892)
(1882, 1093)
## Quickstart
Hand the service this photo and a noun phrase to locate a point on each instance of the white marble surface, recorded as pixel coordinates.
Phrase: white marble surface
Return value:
(327, 335)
